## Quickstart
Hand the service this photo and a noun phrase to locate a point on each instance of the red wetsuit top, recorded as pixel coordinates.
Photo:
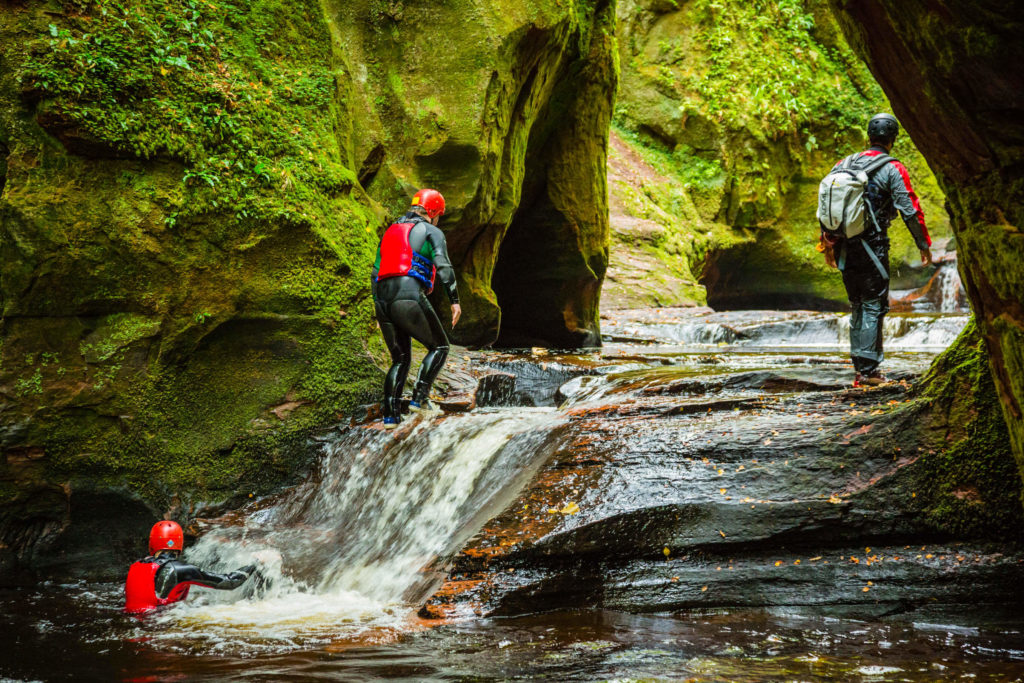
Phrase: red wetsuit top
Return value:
(163, 580)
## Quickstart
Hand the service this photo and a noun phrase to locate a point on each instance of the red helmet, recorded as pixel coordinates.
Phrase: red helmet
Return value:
(165, 535)
(431, 201)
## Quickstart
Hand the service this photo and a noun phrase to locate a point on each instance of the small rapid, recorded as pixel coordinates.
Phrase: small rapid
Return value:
(767, 330)
(366, 536)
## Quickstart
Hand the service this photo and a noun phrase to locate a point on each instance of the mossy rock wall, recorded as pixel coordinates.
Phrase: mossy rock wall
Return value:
(948, 69)
(192, 194)
(744, 107)
(968, 481)
(504, 107)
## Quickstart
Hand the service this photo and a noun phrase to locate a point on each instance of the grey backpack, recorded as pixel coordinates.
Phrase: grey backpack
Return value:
(841, 202)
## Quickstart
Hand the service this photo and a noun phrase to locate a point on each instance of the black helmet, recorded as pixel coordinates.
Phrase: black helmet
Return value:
(883, 127)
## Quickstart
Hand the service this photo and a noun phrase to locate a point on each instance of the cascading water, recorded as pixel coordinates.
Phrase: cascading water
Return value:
(364, 538)
(795, 329)
(952, 297)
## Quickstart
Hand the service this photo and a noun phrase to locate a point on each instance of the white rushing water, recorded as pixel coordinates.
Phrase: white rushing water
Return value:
(780, 330)
(365, 538)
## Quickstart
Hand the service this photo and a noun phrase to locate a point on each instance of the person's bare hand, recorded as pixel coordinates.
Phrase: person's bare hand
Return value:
(926, 257)
(456, 314)
(830, 258)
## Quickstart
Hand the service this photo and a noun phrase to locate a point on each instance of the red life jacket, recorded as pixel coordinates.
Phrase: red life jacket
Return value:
(140, 588)
(398, 258)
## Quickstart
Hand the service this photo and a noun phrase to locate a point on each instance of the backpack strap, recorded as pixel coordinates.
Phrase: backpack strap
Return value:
(877, 163)
(849, 162)
(874, 259)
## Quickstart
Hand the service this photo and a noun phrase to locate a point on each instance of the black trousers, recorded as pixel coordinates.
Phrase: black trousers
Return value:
(404, 314)
(868, 292)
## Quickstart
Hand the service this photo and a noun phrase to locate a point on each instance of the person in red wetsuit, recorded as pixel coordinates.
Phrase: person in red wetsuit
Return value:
(163, 579)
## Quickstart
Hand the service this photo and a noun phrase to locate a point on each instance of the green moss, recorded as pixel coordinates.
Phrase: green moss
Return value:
(114, 333)
(747, 105)
(193, 251)
(970, 485)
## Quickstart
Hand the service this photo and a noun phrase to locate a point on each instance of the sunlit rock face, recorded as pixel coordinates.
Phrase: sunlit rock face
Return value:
(950, 70)
(191, 202)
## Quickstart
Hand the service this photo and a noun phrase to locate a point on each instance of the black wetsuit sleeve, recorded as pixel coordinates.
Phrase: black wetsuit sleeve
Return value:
(445, 272)
(175, 573)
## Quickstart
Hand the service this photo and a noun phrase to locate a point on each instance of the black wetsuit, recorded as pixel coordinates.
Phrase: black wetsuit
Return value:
(164, 580)
(864, 260)
(174, 572)
(404, 313)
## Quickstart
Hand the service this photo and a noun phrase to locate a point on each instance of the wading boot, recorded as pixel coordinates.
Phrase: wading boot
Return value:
(392, 413)
(870, 379)
(420, 403)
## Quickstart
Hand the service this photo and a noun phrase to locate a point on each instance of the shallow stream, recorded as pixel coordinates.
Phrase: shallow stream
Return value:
(349, 555)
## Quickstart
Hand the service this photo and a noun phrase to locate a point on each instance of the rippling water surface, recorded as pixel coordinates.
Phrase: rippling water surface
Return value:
(79, 632)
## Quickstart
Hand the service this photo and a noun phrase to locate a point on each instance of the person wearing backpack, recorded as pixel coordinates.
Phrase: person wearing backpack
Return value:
(857, 201)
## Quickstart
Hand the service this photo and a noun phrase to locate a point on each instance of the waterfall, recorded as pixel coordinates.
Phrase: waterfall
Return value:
(367, 535)
(951, 295)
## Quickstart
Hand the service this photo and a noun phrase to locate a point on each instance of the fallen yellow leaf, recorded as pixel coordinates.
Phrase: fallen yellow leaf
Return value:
(570, 509)
(703, 589)
(666, 551)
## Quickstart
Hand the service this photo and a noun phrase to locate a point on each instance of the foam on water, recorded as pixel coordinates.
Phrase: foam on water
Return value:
(365, 538)
(778, 330)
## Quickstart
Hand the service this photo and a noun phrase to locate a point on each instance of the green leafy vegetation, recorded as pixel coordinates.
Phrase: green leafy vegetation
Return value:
(746, 106)
(232, 90)
(202, 226)
(765, 69)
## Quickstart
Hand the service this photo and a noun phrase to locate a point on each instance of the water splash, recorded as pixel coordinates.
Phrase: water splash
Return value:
(367, 535)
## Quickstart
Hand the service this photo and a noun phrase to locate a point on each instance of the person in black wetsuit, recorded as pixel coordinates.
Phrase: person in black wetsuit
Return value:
(411, 255)
(163, 579)
(864, 260)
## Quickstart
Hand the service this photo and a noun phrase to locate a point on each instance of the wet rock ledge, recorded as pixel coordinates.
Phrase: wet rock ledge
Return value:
(765, 487)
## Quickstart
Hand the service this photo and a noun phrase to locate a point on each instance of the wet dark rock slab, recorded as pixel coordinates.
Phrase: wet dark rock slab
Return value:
(537, 380)
(885, 581)
(662, 483)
